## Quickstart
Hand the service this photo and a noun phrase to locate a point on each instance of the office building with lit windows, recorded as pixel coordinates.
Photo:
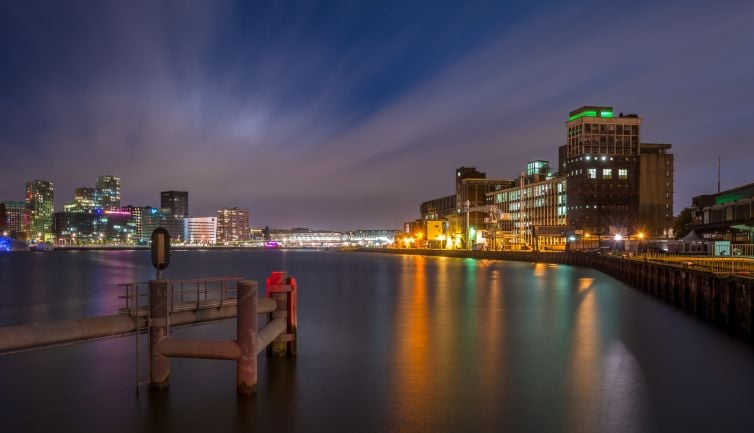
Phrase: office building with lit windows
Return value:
(176, 201)
(532, 212)
(39, 203)
(138, 214)
(153, 218)
(107, 193)
(84, 200)
(110, 227)
(600, 162)
(607, 182)
(616, 183)
(14, 219)
(232, 225)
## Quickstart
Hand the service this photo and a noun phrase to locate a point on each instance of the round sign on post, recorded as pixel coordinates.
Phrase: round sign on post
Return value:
(160, 248)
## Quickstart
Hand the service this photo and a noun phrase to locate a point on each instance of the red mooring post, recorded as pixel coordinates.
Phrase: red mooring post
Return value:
(282, 289)
(159, 365)
(246, 335)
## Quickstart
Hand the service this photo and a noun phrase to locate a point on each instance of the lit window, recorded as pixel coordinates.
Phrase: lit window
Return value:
(607, 173)
(592, 173)
(623, 173)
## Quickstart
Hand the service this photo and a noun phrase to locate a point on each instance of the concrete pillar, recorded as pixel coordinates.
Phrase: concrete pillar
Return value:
(159, 365)
(246, 334)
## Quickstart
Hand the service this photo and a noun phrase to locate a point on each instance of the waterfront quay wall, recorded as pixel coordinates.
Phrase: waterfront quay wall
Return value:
(723, 299)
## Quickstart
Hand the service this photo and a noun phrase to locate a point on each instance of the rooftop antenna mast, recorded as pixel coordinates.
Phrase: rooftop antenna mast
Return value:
(718, 175)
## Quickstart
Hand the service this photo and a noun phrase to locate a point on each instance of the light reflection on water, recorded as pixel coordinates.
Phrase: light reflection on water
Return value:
(387, 343)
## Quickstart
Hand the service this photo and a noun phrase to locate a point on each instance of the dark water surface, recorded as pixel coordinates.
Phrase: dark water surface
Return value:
(387, 344)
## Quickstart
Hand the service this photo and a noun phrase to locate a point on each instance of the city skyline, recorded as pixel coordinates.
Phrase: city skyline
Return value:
(294, 112)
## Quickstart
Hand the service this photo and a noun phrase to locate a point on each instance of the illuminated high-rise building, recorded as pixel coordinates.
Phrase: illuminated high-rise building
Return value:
(107, 194)
(39, 202)
(176, 201)
(14, 219)
(616, 183)
(84, 200)
(153, 218)
(232, 225)
(600, 161)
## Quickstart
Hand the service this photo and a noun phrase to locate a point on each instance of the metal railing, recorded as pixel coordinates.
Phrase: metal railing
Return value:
(182, 295)
(717, 264)
(742, 250)
(190, 294)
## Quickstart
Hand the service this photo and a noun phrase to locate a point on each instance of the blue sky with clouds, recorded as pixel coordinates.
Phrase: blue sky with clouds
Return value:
(348, 114)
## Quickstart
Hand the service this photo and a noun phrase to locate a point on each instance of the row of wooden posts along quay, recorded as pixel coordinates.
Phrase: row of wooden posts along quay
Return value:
(153, 307)
(720, 291)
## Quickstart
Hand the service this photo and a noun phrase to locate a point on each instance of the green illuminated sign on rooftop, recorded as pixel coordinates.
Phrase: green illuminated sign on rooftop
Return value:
(604, 113)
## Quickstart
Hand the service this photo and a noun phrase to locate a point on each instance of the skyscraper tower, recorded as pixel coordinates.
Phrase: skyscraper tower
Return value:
(107, 195)
(39, 202)
(176, 201)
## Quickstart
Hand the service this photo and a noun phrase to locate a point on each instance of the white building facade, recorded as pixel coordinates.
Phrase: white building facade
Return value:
(200, 230)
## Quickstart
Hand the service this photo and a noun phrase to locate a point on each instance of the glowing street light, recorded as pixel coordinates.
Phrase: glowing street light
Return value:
(618, 237)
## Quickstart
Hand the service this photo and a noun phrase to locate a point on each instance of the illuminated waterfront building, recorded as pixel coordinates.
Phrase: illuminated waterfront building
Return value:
(232, 225)
(656, 168)
(107, 194)
(471, 188)
(607, 182)
(372, 238)
(616, 184)
(153, 218)
(95, 227)
(137, 219)
(84, 200)
(200, 230)
(727, 215)
(176, 201)
(601, 163)
(39, 202)
(533, 212)
(14, 219)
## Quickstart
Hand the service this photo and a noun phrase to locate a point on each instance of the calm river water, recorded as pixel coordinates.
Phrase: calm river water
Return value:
(388, 343)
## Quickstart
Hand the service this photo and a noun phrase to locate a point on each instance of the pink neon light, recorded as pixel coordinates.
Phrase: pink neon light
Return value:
(116, 212)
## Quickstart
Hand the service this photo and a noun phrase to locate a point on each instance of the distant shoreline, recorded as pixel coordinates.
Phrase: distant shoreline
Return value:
(182, 248)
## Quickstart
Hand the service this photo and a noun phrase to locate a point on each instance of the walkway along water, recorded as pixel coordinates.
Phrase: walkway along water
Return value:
(723, 299)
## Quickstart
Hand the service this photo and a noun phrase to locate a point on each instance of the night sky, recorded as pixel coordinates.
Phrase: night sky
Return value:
(347, 115)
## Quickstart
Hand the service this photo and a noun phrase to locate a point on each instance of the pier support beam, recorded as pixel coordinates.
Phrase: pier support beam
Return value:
(159, 365)
(246, 334)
